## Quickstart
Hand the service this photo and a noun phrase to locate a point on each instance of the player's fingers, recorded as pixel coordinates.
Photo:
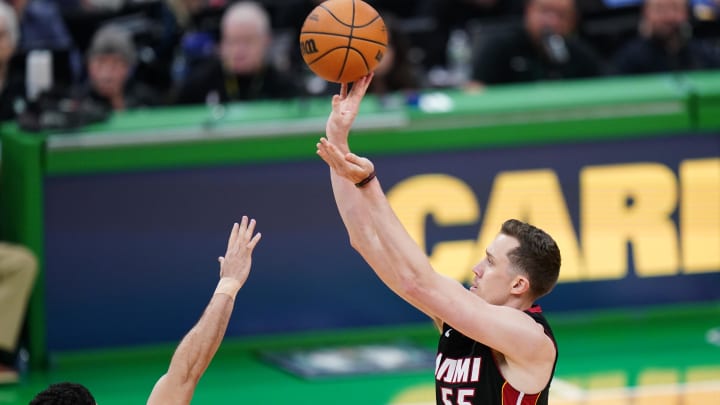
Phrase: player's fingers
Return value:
(333, 152)
(322, 150)
(241, 230)
(323, 156)
(360, 87)
(343, 90)
(367, 79)
(250, 228)
(233, 236)
(336, 100)
(352, 158)
(327, 158)
(358, 161)
(329, 146)
(254, 241)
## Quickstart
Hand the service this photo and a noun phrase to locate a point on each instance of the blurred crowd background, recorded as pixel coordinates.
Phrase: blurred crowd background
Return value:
(66, 63)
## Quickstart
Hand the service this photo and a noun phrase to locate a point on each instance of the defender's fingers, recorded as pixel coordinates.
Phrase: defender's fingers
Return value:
(233, 236)
(243, 223)
(254, 241)
(250, 228)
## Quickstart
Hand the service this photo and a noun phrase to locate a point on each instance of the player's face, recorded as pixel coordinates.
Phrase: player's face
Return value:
(494, 275)
(243, 47)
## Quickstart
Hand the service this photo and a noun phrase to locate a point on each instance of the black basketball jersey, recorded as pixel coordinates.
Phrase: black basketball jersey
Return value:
(466, 371)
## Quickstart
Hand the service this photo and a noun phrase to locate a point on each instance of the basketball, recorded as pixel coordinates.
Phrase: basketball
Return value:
(343, 40)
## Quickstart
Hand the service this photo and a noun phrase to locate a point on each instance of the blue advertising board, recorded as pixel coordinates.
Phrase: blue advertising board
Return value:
(131, 258)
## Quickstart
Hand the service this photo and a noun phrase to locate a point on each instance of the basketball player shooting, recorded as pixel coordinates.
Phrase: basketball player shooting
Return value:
(495, 345)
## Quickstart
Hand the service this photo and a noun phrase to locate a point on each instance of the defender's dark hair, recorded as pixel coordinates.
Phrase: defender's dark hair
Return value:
(538, 255)
(64, 393)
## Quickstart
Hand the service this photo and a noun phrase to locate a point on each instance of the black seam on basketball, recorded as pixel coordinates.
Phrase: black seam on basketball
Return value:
(367, 24)
(325, 54)
(335, 17)
(343, 35)
(350, 37)
(367, 66)
(353, 22)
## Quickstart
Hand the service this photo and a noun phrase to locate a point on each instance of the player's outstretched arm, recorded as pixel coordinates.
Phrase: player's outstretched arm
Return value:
(379, 236)
(197, 348)
(345, 108)
(358, 211)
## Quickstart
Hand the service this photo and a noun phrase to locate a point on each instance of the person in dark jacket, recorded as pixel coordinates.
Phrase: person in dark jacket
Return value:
(241, 70)
(544, 47)
(111, 58)
(665, 42)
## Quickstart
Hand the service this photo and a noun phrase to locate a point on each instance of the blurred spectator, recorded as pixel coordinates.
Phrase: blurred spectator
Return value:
(395, 72)
(18, 267)
(453, 15)
(42, 27)
(665, 42)
(110, 62)
(185, 11)
(242, 70)
(194, 34)
(12, 81)
(543, 48)
(458, 13)
(287, 20)
(105, 5)
(706, 10)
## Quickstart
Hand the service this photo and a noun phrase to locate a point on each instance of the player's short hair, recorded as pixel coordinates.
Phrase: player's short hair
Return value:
(64, 393)
(538, 255)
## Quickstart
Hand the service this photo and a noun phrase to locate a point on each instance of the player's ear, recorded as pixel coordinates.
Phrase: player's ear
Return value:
(520, 284)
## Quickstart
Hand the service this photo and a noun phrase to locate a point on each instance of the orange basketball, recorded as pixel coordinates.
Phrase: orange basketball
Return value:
(343, 40)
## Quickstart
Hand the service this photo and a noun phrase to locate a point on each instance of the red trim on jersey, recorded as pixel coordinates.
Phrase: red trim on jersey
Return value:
(535, 309)
(510, 396)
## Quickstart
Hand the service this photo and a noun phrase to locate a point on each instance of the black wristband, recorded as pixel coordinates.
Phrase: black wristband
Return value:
(366, 180)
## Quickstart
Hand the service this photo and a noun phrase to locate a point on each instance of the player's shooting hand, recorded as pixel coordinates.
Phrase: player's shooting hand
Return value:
(347, 165)
(238, 257)
(345, 107)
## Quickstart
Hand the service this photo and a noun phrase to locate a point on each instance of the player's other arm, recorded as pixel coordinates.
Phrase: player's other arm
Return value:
(194, 353)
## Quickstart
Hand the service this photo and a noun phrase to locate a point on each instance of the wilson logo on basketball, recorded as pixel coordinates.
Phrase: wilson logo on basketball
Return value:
(309, 47)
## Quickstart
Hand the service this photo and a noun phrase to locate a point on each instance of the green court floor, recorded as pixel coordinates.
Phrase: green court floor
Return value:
(661, 355)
